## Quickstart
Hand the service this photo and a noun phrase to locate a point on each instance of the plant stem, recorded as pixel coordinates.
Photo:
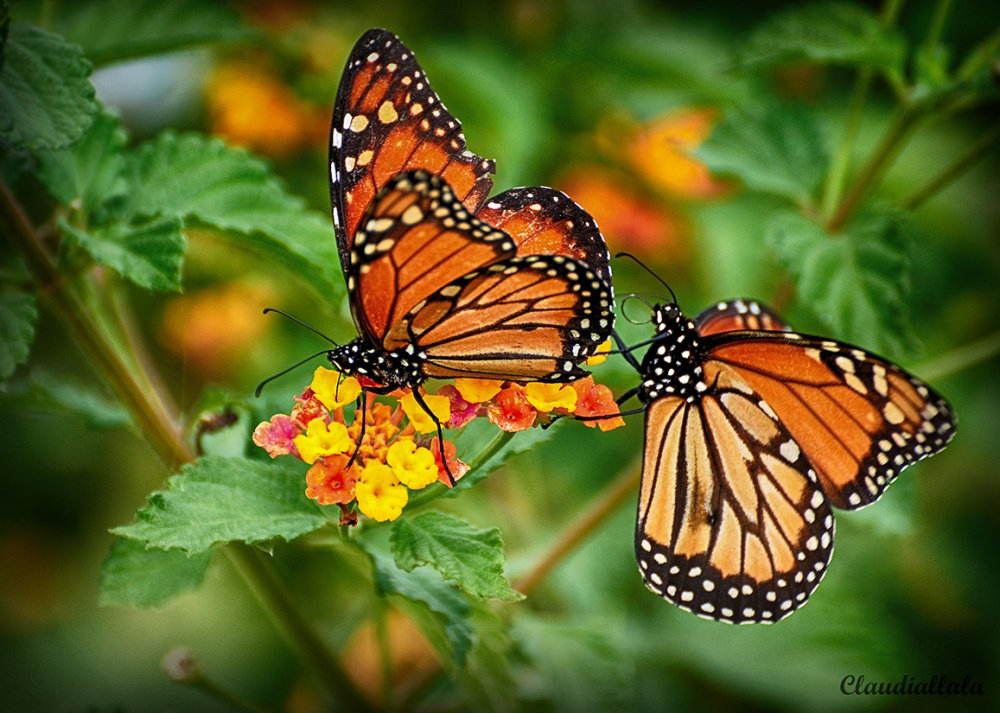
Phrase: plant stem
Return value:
(834, 183)
(270, 590)
(941, 13)
(606, 502)
(956, 169)
(164, 435)
(961, 358)
(876, 166)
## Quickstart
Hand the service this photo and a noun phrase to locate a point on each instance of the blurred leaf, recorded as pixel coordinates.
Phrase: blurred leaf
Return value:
(84, 400)
(488, 678)
(150, 253)
(18, 315)
(4, 28)
(442, 608)
(113, 30)
(855, 281)
(581, 668)
(90, 170)
(194, 177)
(470, 558)
(46, 100)
(136, 576)
(771, 148)
(829, 32)
(218, 499)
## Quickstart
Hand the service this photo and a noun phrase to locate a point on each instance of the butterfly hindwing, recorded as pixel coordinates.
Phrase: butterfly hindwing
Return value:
(733, 526)
(387, 119)
(739, 314)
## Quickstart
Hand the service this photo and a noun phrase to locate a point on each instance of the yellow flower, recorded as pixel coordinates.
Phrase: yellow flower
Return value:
(379, 493)
(414, 466)
(545, 397)
(419, 418)
(477, 391)
(333, 389)
(322, 440)
(598, 357)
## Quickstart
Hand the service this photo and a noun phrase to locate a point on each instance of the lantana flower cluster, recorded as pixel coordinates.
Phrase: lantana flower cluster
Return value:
(377, 466)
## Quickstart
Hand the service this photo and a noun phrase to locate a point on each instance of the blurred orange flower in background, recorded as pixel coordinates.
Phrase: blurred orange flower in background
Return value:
(210, 329)
(250, 106)
(661, 152)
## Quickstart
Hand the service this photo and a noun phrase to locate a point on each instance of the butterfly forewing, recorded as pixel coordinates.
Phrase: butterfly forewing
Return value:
(386, 120)
(860, 419)
(416, 239)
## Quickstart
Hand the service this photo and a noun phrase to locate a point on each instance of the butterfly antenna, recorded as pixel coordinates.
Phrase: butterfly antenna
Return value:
(260, 386)
(300, 322)
(646, 267)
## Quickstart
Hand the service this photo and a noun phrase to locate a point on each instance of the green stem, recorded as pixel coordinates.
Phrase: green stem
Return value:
(260, 575)
(833, 186)
(877, 165)
(941, 13)
(960, 359)
(164, 435)
(606, 502)
(956, 169)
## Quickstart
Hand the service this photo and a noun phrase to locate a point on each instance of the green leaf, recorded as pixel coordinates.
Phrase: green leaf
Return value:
(435, 606)
(84, 400)
(148, 253)
(204, 181)
(219, 499)
(826, 32)
(856, 281)
(113, 30)
(581, 668)
(18, 315)
(488, 678)
(771, 148)
(470, 558)
(136, 576)
(46, 100)
(91, 170)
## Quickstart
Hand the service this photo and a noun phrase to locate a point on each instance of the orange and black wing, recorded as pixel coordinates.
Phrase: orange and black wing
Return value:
(415, 240)
(386, 120)
(526, 318)
(544, 221)
(732, 523)
(857, 418)
(739, 314)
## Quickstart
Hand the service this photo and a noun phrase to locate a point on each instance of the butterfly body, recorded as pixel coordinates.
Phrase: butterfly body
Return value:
(751, 437)
(395, 369)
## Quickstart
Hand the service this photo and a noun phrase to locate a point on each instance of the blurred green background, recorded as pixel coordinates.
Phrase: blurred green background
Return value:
(605, 101)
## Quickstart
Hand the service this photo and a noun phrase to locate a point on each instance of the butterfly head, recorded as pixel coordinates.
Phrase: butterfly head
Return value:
(673, 364)
(392, 369)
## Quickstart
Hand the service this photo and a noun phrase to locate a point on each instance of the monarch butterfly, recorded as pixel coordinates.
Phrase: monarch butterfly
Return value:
(752, 433)
(442, 281)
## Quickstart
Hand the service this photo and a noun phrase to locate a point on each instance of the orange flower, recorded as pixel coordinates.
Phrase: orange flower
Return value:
(662, 153)
(596, 400)
(511, 411)
(250, 106)
(628, 221)
(328, 482)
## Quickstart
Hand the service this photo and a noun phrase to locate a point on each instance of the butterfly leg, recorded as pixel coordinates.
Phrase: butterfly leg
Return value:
(625, 351)
(361, 433)
(440, 433)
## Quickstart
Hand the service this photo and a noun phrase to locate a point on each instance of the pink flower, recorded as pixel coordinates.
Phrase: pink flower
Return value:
(277, 436)
(462, 411)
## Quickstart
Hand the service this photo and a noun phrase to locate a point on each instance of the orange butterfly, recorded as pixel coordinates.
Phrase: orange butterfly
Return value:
(444, 282)
(753, 432)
